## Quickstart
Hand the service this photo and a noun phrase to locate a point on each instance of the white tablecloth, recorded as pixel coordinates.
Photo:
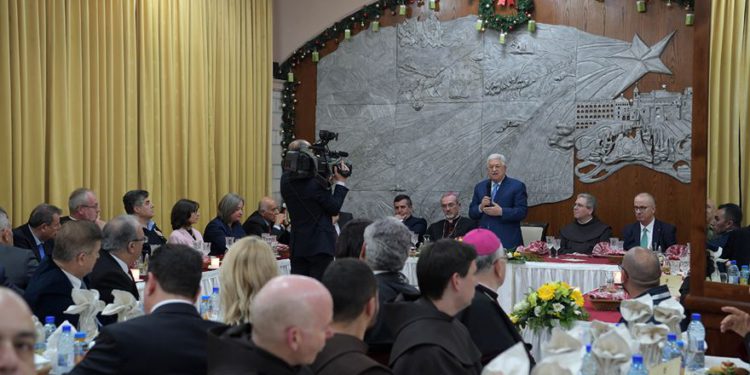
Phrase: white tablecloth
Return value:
(520, 277)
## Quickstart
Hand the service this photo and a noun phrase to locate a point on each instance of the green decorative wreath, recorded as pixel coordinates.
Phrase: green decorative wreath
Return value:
(504, 23)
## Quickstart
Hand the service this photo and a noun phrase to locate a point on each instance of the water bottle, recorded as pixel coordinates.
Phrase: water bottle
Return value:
(588, 365)
(733, 273)
(697, 362)
(744, 274)
(65, 354)
(696, 337)
(80, 347)
(41, 339)
(670, 350)
(215, 310)
(205, 307)
(681, 347)
(636, 367)
(49, 327)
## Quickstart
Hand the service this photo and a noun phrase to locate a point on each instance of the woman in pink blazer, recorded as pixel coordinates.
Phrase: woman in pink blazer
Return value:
(184, 215)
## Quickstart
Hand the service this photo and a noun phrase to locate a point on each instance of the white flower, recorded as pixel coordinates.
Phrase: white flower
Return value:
(558, 307)
(523, 305)
(538, 311)
(578, 312)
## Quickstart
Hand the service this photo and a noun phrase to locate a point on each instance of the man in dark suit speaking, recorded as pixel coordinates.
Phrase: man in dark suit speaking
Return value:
(648, 232)
(311, 208)
(499, 203)
(172, 338)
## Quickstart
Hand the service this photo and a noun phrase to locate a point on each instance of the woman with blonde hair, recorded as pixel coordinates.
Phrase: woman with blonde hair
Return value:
(248, 265)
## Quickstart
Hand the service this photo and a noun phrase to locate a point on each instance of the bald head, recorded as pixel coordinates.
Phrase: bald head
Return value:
(297, 144)
(17, 335)
(291, 318)
(642, 268)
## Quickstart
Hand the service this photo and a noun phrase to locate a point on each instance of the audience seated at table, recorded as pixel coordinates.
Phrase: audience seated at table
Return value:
(355, 307)
(727, 220)
(291, 318)
(487, 322)
(122, 245)
(453, 225)
(352, 237)
(648, 232)
(83, 205)
(19, 264)
(171, 339)
(641, 274)
(226, 224)
(386, 248)
(38, 234)
(403, 210)
(586, 230)
(184, 215)
(267, 219)
(17, 335)
(76, 251)
(248, 265)
(138, 204)
(429, 340)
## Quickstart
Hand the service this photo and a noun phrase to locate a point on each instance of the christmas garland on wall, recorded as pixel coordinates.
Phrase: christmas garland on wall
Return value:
(369, 16)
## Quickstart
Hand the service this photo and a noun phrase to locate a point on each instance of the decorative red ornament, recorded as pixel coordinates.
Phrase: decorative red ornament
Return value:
(509, 3)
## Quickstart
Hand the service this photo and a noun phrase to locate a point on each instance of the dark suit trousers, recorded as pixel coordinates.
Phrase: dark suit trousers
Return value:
(312, 266)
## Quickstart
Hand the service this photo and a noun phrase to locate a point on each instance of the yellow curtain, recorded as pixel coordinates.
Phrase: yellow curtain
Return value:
(729, 98)
(171, 96)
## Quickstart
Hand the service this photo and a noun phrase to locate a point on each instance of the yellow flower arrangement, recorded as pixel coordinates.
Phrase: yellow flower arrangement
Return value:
(546, 292)
(552, 304)
(577, 297)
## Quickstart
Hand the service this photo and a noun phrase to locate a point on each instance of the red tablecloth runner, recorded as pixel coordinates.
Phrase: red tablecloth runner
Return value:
(604, 316)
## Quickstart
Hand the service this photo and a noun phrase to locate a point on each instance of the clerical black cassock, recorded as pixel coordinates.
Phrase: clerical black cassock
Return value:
(581, 238)
(458, 227)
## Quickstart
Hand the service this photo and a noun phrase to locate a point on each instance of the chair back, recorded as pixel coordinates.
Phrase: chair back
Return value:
(531, 232)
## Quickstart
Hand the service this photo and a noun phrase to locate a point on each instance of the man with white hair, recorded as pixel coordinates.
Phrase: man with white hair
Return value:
(490, 328)
(291, 318)
(499, 202)
(454, 225)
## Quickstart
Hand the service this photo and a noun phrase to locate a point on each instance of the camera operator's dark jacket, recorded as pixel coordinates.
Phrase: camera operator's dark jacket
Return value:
(311, 206)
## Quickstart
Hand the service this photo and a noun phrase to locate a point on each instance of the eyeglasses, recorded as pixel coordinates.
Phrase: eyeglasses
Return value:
(95, 206)
(144, 239)
(640, 208)
(579, 205)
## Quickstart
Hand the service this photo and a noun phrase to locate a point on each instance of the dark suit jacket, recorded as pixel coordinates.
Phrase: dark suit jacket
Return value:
(7, 283)
(344, 217)
(23, 238)
(417, 225)
(463, 226)
(170, 340)
(738, 246)
(511, 196)
(256, 225)
(217, 232)
(49, 293)
(107, 276)
(311, 206)
(20, 264)
(665, 235)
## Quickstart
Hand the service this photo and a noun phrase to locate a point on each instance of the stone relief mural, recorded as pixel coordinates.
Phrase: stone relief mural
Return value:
(421, 105)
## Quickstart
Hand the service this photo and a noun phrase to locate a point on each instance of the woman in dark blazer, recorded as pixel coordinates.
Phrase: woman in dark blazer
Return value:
(228, 223)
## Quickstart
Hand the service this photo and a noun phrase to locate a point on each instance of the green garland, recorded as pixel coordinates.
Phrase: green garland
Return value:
(491, 20)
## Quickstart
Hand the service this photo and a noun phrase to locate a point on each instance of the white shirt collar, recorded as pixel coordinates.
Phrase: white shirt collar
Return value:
(76, 282)
(122, 264)
(650, 226)
(168, 301)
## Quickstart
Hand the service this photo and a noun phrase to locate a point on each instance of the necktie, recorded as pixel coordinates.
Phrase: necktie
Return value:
(40, 247)
(494, 190)
(644, 239)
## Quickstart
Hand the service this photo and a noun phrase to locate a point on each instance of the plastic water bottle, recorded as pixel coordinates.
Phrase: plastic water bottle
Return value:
(49, 327)
(696, 346)
(65, 353)
(41, 343)
(697, 362)
(681, 347)
(215, 304)
(80, 347)
(588, 365)
(733, 273)
(670, 350)
(636, 367)
(744, 274)
(205, 307)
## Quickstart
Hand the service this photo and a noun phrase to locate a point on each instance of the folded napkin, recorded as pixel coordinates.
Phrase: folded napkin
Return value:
(671, 313)
(715, 257)
(86, 306)
(550, 368)
(650, 338)
(598, 328)
(124, 305)
(604, 249)
(513, 361)
(637, 310)
(564, 350)
(611, 351)
(677, 251)
(536, 247)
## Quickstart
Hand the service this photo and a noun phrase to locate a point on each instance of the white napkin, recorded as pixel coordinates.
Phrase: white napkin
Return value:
(564, 350)
(513, 361)
(124, 305)
(715, 258)
(599, 328)
(637, 310)
(550, 368)
(51, 352)
(671, 313)
(86, 306)
(610, 352)
(650, 338)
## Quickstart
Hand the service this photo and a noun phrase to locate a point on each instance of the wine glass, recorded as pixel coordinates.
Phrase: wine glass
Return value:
(426, 238)
(550, 242)
(555, 247)
(206, 248)
(414, 239)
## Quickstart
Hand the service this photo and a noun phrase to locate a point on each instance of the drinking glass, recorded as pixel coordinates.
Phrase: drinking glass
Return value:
(206, 248)
(620, 245)
(414, 239)
(550, 242)
(426, 238)
(229, 241)
(198, 245)
(556, 246)
(613, 242)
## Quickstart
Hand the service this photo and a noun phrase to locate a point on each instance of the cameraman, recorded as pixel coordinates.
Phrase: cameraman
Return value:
(311, 208)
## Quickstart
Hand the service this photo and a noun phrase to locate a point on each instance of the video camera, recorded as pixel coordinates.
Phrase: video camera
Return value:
(316, 159)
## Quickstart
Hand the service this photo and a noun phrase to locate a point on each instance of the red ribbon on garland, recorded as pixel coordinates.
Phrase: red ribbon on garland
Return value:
(509, 3)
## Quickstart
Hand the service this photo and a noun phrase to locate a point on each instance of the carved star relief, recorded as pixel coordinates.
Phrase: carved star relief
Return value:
(640, 59)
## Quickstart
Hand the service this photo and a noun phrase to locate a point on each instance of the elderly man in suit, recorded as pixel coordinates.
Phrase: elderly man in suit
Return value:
(267, 219)
(648, 232)
(39, 232)
(499, 203)
(76, 251)
(83, 205)
(171, 339)
(454, 225)
(20, 264)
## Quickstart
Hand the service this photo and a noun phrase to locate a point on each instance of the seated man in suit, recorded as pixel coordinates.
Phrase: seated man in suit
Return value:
(489, 326)
(17, 335)
(454, 225)
(402, 208)
(122, 245)
(76, 251)
(267, 219)
(727, 218)
(355, 307)
(648, 232)
(586, 230)
(138, 204)
(171, 339)
(20, 264)
(83, 205)
(641, 274)
(291, 318)
(38, 234)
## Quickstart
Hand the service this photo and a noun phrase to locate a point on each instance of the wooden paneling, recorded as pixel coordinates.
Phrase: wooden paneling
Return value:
(612, 18)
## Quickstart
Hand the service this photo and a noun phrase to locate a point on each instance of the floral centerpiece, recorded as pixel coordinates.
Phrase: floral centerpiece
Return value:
(552, 304)
(532, 253)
